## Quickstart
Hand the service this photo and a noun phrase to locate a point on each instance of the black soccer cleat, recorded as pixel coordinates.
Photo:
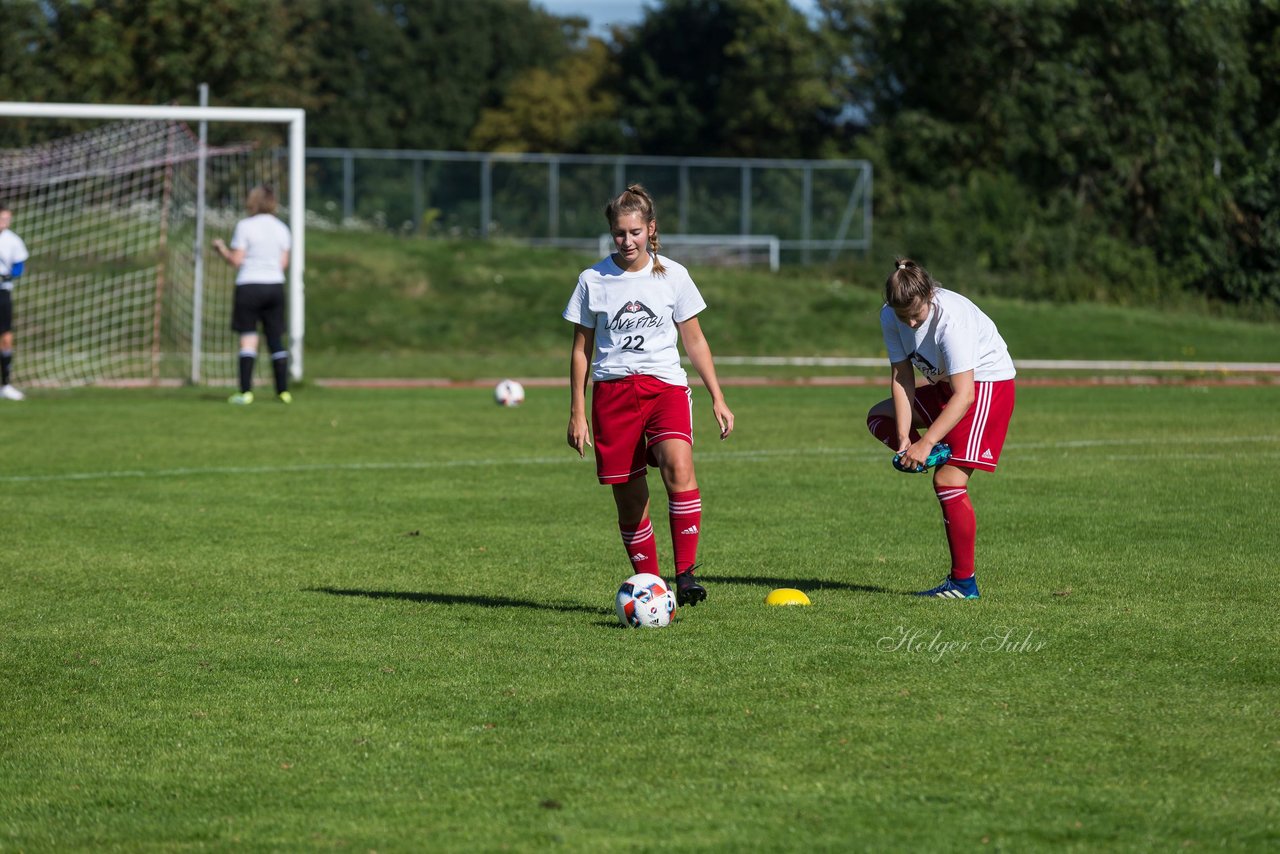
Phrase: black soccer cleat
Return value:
(688, 590)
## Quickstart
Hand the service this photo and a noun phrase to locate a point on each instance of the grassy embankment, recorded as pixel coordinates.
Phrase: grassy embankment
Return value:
(380, 306)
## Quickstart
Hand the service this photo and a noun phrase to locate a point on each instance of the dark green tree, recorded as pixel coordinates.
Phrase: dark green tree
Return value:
(25, 75)
(417, 74)
(159, 51)
(726, 77)
(1132, 119)
(413, 74)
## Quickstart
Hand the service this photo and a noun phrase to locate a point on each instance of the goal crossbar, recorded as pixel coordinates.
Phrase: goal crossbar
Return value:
(295, 118)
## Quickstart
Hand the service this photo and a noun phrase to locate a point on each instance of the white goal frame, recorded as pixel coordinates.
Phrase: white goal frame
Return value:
(769, 242)
(295, 118)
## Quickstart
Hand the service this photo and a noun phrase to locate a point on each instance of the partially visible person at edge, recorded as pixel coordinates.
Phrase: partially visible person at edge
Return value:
(259, 251)
(629, 312)
(13, 257)
(964, 398)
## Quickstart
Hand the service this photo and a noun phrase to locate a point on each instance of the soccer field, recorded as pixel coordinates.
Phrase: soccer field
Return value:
(383, 620)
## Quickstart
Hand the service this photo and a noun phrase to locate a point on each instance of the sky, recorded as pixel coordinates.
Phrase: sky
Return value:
(603, 13)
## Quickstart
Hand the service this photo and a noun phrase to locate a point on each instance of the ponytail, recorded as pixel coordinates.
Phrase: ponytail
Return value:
(907, 284)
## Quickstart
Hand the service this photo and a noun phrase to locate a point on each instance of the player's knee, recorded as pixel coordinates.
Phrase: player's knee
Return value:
(678, 474)
(882, 410)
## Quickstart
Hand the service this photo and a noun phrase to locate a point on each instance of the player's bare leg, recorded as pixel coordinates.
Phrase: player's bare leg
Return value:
(7, 391)
(248, 357)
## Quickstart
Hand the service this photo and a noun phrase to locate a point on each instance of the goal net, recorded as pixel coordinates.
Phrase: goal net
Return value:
(122, 286)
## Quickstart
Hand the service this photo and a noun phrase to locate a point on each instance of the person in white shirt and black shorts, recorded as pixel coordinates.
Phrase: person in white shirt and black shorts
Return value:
(630, 312)
(259, 251)
(964, 399)
(13, 257)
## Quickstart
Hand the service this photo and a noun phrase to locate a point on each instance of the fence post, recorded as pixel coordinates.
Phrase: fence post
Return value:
(348, 187)
(418, 202)
(806, 212)
(553, 198)
(684, 197)
(486, 195)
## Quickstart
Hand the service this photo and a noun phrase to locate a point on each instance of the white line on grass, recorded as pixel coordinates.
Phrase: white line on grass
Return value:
(1158, 449)
(1038, 364)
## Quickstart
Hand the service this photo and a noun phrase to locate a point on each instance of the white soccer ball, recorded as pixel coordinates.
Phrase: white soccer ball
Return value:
(508, 393)
(645, 601)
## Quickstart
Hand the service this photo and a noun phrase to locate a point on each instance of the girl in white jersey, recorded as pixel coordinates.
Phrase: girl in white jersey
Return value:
(629, 313)
(13, 256)
(260, 253)
(964, 399)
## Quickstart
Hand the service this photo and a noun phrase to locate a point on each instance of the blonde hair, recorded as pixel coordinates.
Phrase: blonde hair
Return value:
(636, 199)
(908, 284)
(262, 199)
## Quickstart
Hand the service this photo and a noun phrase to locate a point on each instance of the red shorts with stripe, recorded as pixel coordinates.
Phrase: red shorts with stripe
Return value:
(976, 441)
(632, 414)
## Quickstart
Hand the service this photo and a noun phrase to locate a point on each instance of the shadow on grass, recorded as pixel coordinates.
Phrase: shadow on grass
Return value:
(455, 599)
(799, 583)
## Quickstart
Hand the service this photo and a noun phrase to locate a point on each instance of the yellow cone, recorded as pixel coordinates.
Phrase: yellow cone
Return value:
(786, 596)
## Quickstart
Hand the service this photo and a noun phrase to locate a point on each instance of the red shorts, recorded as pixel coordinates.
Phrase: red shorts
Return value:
(976, 441)
(632, 414)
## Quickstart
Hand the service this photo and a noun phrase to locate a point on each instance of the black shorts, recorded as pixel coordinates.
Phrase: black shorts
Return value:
(259, 304)
(6, 311)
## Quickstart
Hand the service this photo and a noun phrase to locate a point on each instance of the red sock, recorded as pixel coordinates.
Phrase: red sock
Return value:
(885, 430)
(686, 518)
(961, 525)
(641, 546)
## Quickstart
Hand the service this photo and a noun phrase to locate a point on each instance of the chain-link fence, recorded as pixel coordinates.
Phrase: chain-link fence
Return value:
(817, 209)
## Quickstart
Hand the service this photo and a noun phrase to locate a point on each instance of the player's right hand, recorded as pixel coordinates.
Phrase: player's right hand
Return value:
(578, 435)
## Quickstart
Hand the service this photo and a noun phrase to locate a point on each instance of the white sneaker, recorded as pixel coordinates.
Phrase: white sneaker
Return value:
(8, 392)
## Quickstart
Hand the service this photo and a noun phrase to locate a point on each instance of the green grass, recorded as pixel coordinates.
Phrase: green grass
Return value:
(379, 306)
(383, 620)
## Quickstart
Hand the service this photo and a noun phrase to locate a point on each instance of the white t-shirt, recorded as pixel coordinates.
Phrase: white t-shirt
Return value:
(634, 316)
(954, 338)
(264, 239)
(12, 251)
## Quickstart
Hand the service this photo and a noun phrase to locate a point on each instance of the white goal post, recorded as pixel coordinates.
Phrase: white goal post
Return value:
(78, 175)
(719, 249)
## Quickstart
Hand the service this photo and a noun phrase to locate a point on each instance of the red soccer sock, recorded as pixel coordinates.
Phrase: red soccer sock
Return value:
(961, 526)
(886, 431)
(686, 521)
(641, 546)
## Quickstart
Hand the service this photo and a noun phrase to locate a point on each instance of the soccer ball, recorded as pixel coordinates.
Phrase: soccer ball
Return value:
(645, 601)
(508, 393)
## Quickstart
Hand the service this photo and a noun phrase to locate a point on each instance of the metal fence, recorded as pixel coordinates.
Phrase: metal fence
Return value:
(816, 208)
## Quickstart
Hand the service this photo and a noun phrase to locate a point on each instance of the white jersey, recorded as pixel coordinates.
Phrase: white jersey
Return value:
(954, 338)
(264, 239)
(634, 316)
(12, 251)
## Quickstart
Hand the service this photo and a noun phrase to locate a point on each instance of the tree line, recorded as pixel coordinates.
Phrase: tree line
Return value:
(1129, 147)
